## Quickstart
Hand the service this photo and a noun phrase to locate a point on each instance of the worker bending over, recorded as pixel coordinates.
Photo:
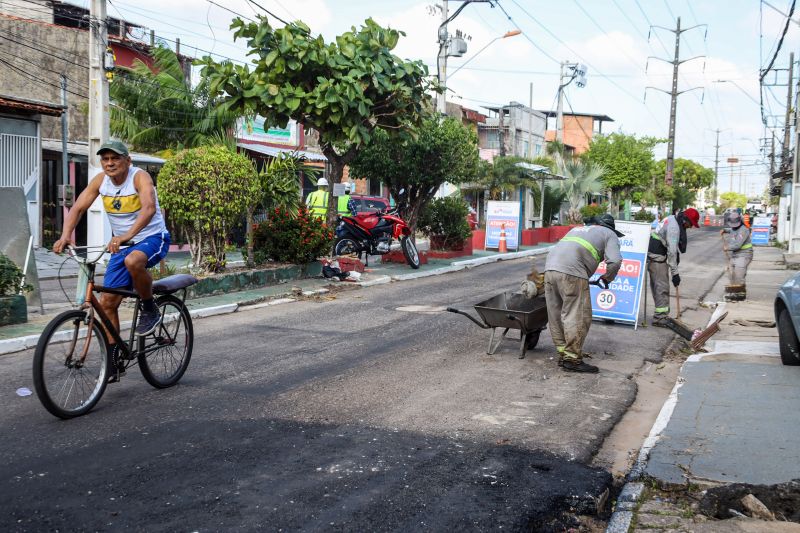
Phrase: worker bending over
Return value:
(569, 266)
(667, 242)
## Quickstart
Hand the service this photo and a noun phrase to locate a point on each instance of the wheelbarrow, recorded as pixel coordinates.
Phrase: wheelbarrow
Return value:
(511, 311)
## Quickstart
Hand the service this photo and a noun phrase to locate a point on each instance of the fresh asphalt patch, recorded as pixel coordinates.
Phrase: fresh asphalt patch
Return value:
(280, 475)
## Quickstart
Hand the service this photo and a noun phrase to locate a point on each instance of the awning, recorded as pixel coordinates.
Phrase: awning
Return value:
(82, 149)
(274, 151)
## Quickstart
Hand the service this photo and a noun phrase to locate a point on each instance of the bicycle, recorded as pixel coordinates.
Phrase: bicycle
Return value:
(72, 364)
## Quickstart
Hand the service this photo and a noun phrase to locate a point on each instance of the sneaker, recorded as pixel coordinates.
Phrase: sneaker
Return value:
(148, 322)
(117, 369)
(570, 365)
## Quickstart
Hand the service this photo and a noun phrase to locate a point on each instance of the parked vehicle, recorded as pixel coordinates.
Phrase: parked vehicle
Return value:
(370, 204)
(787, 318)
(371, 233)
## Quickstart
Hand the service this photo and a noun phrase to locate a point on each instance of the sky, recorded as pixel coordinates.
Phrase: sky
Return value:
(612, 37)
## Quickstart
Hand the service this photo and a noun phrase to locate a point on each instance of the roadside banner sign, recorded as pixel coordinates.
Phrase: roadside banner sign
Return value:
(498, 214)
(623, 297)
(759, 235)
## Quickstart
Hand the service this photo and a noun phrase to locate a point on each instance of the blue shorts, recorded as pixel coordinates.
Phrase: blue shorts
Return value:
(155, 247)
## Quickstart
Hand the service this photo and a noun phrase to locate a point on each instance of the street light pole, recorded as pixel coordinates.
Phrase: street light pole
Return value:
(441, 106)
(511, 33)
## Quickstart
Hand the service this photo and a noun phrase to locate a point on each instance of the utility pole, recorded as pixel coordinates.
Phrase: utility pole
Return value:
(501, 134)
(716, 170)
(441, 106)
(60, 210)
(674, 93)
(560, 108)
(98, 113)
(787, 125)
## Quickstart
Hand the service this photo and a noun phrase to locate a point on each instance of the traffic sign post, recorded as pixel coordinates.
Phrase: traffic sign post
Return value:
(498, 215)
(621, 300)
(759, 235)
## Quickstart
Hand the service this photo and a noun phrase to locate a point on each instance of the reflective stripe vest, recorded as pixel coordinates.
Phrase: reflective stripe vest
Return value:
(317, 202)
(342, 205)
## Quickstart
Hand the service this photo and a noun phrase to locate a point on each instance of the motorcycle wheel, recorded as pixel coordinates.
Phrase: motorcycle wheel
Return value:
(410, 252)
(346, 246)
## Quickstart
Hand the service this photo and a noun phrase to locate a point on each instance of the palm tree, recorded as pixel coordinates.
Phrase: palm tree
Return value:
(158, 110)
(503, 176)
(582, 178)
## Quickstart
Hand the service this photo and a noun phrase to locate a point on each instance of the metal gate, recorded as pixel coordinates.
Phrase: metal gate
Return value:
(20, 157)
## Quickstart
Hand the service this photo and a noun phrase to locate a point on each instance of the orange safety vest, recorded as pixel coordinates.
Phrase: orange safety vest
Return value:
(747, 220)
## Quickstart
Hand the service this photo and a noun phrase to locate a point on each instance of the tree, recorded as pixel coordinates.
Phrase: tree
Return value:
(504, 175)
(205, 190)
(732, 199)
(346, 90)
(582, 178)
(628, 162)
(688, 178)
(441, 151)
(157, 110)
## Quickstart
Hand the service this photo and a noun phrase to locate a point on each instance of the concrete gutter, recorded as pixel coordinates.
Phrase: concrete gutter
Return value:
(19, 344)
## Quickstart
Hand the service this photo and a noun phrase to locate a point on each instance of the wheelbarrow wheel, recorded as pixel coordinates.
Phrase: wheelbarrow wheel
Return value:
(532, 340)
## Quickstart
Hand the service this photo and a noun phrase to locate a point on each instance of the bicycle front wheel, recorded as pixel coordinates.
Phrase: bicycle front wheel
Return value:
(164, 354)
(70, 365)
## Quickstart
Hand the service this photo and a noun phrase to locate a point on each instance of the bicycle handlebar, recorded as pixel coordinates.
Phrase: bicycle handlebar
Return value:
(103, 250)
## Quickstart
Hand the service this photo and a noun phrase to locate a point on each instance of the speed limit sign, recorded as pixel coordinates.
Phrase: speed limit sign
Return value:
(606, 299)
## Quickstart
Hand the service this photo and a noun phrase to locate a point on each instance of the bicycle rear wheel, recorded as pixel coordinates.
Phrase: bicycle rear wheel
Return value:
(166, 352)
(68, 382)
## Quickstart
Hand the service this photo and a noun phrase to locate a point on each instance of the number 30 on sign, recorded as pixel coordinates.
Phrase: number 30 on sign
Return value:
(606, 299)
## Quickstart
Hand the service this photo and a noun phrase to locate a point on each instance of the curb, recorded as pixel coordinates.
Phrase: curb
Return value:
(19, 344)
(632, 489)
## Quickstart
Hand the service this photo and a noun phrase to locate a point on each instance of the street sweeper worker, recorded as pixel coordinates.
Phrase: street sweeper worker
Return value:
(317, 201)
(739, 250)
(667, 242)
(569, 266)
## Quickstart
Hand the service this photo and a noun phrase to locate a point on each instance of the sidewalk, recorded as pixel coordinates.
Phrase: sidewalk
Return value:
(732, 417)
(20, 337)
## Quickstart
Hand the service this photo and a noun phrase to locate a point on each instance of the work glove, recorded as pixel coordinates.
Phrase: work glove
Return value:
(676, 280)
(528, 289)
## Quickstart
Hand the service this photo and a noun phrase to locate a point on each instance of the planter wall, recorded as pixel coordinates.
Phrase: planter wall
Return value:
(528, 237)
(557, 232)
(13, 310)
(540, 235)
(252, 279)
(396, 256)
(478, 239)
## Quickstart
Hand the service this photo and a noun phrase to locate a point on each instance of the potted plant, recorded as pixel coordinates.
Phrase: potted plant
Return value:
(13, 308)
(444, 222)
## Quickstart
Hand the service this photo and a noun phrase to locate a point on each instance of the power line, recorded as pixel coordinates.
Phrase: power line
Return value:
(267, 11)
(525, 34)
(780, 42)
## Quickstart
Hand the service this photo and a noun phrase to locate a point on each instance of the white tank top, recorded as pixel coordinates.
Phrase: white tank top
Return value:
(122, 204)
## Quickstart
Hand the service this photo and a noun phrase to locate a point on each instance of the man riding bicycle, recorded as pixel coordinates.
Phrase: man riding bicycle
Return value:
(130, 200)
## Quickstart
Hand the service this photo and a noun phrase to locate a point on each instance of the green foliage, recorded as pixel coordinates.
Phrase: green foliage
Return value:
(443, 150)
(593, 210)
(157, 272)
(445, 219)
(290, 238)
(345, 90)
(643, 215)
(628, 160)
(582, 179)
(206, 190)
(280, 184)
(686, 174)
(11, 277)
(159, 110)
(732, 199)
(553, 198)
(503, 175)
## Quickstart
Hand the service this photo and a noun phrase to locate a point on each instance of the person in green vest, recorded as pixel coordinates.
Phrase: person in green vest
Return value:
(739, 250)
(343, 201)
(317, 201)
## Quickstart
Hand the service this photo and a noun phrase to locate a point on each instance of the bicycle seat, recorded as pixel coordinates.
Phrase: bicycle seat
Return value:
(173, 283)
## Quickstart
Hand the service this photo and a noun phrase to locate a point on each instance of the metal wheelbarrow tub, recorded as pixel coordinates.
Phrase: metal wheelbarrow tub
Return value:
(510, 310)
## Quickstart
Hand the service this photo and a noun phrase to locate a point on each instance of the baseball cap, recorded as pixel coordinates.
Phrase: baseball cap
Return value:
(115, 146)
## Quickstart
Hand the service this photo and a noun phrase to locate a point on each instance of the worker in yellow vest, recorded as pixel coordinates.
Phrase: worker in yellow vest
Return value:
(344, 200)
(317, 201)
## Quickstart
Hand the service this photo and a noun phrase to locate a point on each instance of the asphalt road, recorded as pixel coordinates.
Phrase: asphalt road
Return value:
(338, 414)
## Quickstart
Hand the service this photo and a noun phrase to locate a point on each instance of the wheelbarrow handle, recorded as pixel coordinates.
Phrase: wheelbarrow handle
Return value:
(480, 324)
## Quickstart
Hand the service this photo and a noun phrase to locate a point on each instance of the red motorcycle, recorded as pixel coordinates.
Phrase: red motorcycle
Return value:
(372, 234)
